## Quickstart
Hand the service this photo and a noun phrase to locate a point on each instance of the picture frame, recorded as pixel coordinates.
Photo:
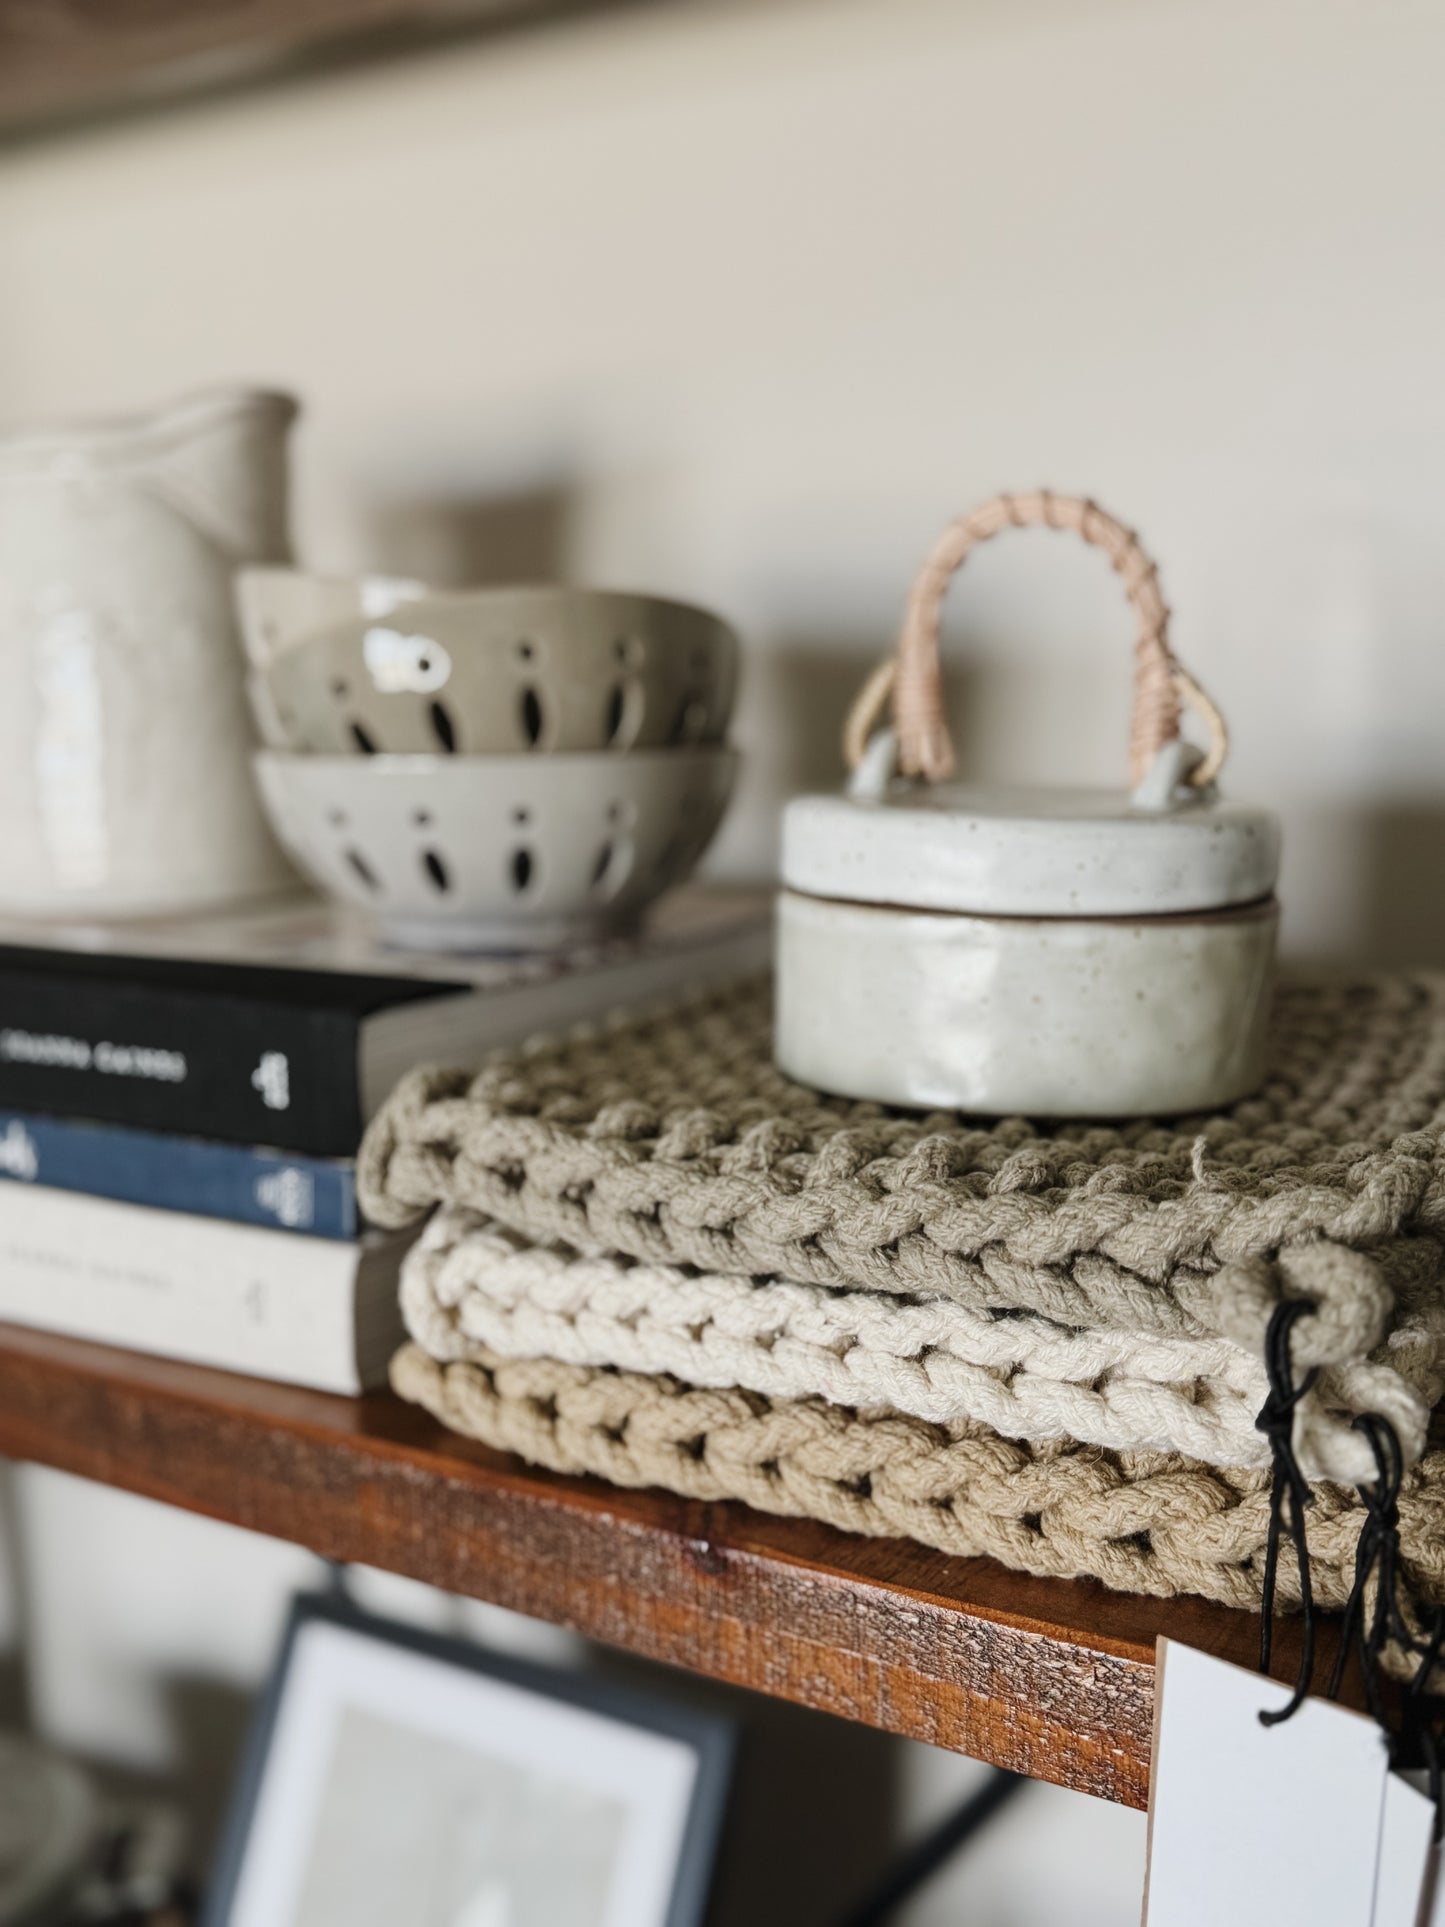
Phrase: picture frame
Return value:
(394, 1775)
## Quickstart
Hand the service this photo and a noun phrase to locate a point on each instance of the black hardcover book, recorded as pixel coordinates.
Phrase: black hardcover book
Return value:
(285, 1029)
(234, 1052)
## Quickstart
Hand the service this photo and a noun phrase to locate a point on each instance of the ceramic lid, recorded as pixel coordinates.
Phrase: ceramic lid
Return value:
(1028, 852)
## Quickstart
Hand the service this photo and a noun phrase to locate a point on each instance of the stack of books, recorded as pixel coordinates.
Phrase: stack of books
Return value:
(181, 1106)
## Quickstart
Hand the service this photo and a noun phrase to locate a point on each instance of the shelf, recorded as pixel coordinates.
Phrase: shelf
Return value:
(59, 60)
(1052, 1678)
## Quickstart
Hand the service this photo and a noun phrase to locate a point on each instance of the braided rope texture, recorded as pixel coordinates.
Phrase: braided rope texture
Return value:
(1139, 1522)
(469, 1288)
(671, 1138)
(923, 738)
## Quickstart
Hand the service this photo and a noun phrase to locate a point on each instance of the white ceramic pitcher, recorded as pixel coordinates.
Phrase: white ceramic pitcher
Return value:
(125, 737)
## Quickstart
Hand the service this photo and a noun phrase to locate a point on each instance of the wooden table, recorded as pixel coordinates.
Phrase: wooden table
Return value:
(1053, 1678)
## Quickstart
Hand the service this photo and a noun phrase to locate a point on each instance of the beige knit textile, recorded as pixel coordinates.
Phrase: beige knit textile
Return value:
(471, 1288)
(1139, 1522)
(670, 1138)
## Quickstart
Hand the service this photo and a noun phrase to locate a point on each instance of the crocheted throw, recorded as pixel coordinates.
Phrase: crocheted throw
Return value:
(470, 1288)
(1139, 1522)
(671, 1138)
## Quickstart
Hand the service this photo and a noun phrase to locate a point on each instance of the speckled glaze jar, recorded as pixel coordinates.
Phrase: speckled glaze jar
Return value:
(1049, 953)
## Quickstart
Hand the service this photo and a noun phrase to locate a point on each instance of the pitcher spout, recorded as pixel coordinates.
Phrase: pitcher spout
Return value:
(220, 458)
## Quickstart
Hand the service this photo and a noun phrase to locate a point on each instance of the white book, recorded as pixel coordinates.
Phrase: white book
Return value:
(271, 1304)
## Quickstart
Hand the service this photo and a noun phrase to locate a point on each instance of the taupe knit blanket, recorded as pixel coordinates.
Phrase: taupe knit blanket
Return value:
(672, 1139)
(1139, 1522)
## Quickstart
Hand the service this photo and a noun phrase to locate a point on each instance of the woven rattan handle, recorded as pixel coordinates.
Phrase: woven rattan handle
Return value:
(914, 678)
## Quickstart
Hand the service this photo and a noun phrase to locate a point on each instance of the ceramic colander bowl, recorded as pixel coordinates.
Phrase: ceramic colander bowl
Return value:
(498, 852)
(279, 607)
(502, 671)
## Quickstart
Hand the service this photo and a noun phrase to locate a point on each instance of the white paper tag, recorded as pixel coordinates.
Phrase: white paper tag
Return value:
(1407, 1884)
(1257, 1825)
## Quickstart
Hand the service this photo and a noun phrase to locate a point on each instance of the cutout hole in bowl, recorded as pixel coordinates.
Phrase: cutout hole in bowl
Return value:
(361, 736)
(523, 870)
(533, 717)
(437, 870)
(610, 871)
(691, 724)
(443, 728)
(362, 868)
(625, 705)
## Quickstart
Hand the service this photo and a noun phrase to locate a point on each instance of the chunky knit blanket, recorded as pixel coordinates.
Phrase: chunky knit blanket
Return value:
(1139, 1522)
(471, 1288)
(672, 1139)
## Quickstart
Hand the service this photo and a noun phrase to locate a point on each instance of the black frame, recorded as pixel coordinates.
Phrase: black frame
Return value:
(710, 1736)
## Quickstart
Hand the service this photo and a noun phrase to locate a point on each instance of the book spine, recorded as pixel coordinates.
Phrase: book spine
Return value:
(265, 1303)
(310, 1195)
(173, 1059)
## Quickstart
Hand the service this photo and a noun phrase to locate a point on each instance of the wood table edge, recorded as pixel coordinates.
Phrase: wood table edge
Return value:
(1050, 1678)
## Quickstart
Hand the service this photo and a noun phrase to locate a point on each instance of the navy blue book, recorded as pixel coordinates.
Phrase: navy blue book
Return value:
(314, 1195)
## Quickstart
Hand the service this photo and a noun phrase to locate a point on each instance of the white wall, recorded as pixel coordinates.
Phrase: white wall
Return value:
(763, 292)
(742, 301)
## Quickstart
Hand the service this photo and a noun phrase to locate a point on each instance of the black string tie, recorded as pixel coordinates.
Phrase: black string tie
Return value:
(1416, 1740)
(1287, 1482)
(1377, 1553)
(1419, 1736)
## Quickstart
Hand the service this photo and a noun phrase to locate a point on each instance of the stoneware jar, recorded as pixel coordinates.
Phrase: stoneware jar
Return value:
(125, 740)
(1051, 952)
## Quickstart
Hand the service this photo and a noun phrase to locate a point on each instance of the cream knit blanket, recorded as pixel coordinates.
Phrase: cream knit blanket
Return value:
(471, 1289)
(672, 1139)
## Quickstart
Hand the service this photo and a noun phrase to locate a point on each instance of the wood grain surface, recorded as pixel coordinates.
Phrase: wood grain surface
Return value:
(64, 58)
(1052, 1678)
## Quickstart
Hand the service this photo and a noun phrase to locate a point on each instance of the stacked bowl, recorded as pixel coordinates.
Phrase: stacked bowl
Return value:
(491, 769)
